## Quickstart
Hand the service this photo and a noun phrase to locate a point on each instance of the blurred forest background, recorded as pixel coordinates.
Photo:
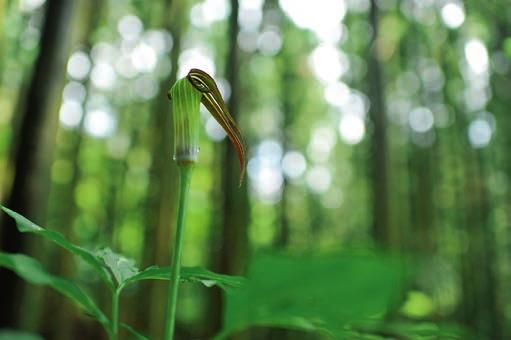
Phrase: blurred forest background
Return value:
(369, 123)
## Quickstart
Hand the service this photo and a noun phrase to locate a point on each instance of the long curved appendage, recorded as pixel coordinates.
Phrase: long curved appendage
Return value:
(213, 101)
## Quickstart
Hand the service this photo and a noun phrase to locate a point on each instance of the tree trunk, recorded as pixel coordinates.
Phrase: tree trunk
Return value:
(233, 239)
(479, 301)
(235, 200)
(378, 160)
(421, 192)
(481, 306)
(288, 76)
(58, 319)
(478, 308)
(33, 147)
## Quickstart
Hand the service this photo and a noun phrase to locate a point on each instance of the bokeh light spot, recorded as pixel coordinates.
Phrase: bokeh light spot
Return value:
(352, 128)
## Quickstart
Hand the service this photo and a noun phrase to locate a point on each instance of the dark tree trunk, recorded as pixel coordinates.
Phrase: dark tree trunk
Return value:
(57, 319)
(421, 192)
(378, 160)
(481, 307)
(420, 160)
(235, 202)
(233, 240)
(288, 77)
(499, 105)
(480, 301)
(33, 145)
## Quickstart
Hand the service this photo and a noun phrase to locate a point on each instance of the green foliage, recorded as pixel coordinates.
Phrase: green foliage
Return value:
(121, 267)
(32, 271)
(126, 273)
(108, 263)
(327, 294)
(116, 270)
(426, 330)
(190, 274)
(9, 334)
(26, 226)
(413, 330)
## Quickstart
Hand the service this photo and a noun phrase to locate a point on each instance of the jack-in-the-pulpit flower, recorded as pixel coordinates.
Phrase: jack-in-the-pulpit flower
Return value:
(185, 109)
(186, 96)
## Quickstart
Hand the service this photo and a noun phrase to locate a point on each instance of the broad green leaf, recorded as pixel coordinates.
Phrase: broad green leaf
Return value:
(291, 322)
(425, 330)
(416, 330)
(11, 334)
(32, 271)
(121, 267)
(133, 332)
(209, 279)
(326, 293)
(26, 226)
(191, 274)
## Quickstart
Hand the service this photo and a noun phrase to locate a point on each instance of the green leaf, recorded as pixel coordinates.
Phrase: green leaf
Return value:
(209, 279)
(136, 335)
(190, 274)
(32, 271)
(10, 334)
(425, 330)
(121, 267)
(26, 226)
(326, 293)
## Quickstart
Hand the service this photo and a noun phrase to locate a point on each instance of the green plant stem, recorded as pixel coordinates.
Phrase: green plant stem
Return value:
(185, 171)
(115, 315)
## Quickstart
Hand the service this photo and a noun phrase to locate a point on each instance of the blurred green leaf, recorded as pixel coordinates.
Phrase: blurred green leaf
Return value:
(191, 274)
(32, 271)
(26, 226)
(133, 332)
(121, 267)
(326, 293)
(10, 334)
(414, 330)
(426, 330)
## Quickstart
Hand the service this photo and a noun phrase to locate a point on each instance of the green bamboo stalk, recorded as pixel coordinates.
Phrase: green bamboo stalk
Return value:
(185, 172)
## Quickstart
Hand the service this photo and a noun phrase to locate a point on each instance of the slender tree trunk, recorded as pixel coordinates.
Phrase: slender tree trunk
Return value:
(214, 303)
(288, 77)
(3, 10)
(479, 308)
(233, 238)
(421, 177)
(482, 308)
(235, 203)
(499, 106)
(480, 301)
(58, 319)
(421, 192)
(378, 166)
(33, 150)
